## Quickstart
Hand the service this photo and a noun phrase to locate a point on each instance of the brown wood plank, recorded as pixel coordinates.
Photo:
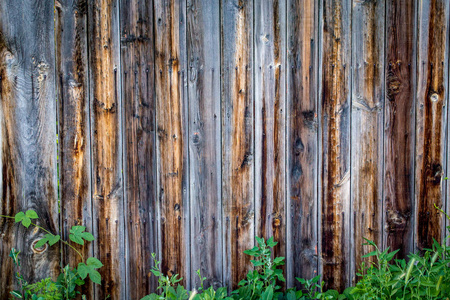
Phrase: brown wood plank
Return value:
(237, 137)
(367, 127)
(335, 131)
(203, 46)
(270, 122)
(172, 135)
(73, 121)
(27, 137)
(399, 126)
(137, 66)
(302, 143)
(431, 118)
(106, 137)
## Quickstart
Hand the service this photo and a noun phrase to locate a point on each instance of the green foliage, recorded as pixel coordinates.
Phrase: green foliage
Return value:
(262, 282)
(68, 279)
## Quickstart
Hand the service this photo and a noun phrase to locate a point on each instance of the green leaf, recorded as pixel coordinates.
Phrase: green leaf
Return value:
(53, 239)
(19, 217)
(95, 277)
(77, 229)
(76, 239)
(42, 242)
(373, 253)
(94, 262)
(87, 236)
(26, 222)
(16, 294)
(31, 214)
(83, 270)
(268, 294)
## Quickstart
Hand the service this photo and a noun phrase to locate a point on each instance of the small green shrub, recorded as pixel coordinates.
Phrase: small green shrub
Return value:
(68, 280)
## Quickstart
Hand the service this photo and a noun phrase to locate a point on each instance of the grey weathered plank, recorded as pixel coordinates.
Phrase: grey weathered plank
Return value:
(106, 137)
(399, 126)
(237, 137)
(27, 137)
(172, 135)
(302, 144)
(73, 124)
(335, 138)
(270, 122)
(431, 118)
(367, 128)
(137, 66)
(203, 50)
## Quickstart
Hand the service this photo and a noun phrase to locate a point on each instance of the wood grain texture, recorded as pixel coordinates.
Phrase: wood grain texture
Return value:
(431, 120)
(203, 50)
(270, 122)
(27, 137)
(172, 135)
(237, 137)
(137, 65)
(367, 128)
(106, 137)
(73, 121)
(399, 126)
(335, 135)
(302, 144)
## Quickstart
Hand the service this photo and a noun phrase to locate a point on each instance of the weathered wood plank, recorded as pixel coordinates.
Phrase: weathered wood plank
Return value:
(137, 66)
(203, 46)
(27, 137)
(270, 122)
(237, 137)
(106, 137)
(399, 126)
(367, 127)
(431, 118)
(302, 143)
(335, 131)
(172, 135)
(73, 123)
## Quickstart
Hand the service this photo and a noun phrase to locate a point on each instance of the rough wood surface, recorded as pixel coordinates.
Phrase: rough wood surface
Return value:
(137, 67)
(172, 136)
(106, 137)
(73, 122)
(431, 119)
(367, 127)
(270, 122)
(203, 50)
(237, 137)
(302, 143)
(399, 126)
(335, 135)
(27, 137)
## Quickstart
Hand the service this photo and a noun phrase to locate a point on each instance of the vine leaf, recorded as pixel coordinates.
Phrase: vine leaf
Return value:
(78, 235)
(89, 268)
(25, 218)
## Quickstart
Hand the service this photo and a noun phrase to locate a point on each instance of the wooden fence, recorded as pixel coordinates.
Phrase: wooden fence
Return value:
(187, 127)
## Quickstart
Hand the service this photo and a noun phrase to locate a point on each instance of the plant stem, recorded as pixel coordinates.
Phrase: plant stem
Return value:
(9, 217)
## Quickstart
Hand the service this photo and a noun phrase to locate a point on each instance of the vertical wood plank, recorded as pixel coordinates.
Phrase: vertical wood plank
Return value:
(106, 137)
(431, 118)
(137, 59)
(27, 137)
(399, 125)
(172, 135)
(335, 120)
(203, 46)
(237, 137)
(302, 143)
(73, 121)
(270, 122)
(367, 127)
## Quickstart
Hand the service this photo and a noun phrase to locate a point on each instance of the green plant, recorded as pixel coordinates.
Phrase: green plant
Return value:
(69, 279)
(262, 282)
